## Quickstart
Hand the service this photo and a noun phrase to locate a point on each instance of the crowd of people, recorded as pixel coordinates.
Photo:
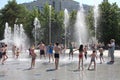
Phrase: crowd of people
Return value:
(55, 50)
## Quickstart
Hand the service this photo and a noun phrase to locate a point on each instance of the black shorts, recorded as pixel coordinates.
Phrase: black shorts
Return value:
(4, 53)
(0, 54)
(42, 52)
(101, 54)
(56, 55)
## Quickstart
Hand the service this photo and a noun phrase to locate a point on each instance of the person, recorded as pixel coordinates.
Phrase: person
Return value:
(71, 51)
(14, 50)
(81, 51)
(0, 53)
(4, 55)
(42, 49)
(85, 51)
(111, 50)
(50, 52)
(56, 55)
(17, 53)
(101, 55)
(33, 55)
(93, 56)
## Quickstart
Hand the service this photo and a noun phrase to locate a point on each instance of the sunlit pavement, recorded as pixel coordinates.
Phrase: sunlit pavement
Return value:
(18, 69)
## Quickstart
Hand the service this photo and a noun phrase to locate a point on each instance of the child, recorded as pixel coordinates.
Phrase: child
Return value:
(33, 55)
(17, 52)
(101, 55)
(81, 50)
(85, 52)
(71, 51)
(93, 56)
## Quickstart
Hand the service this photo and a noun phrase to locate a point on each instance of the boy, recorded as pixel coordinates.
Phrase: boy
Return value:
(101, 55)
(93, 56)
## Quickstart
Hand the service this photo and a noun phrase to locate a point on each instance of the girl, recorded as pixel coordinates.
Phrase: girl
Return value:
(33, 54)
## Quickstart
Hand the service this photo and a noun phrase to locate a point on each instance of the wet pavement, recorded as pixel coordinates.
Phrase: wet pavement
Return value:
(18, 69)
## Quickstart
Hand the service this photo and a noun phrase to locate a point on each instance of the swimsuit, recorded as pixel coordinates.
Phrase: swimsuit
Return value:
(80, 55)
(92, 59)
(56, 55)
(42, 52)
(101, 54)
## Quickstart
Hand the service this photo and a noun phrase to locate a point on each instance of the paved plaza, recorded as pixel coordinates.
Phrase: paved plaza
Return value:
(18, 69)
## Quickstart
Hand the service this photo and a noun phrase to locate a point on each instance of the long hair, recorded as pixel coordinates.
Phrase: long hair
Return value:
(81, 48)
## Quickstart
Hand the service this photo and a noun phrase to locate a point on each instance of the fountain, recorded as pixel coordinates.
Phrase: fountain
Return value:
(66, 22)
(81, 33)
(36, 29)
(17, 37)
(96, 15)
(7, 34)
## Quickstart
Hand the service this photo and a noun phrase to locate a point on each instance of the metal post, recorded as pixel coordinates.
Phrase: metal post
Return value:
(49, 24)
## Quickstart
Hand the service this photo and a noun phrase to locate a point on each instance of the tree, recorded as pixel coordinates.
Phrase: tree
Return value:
(108, 27)
(90, 22)
(12, 13)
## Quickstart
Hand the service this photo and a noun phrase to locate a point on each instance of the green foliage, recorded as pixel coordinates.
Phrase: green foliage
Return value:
(108, 27)
(90, 22)
(12, 13)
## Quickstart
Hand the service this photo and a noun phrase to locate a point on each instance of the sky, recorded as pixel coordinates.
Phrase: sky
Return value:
(89, 2)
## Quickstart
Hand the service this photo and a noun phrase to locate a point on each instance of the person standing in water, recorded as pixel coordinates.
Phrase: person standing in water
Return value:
(81, 51)
(71, 51)
(56, 55)
(93, 56)
(42, 49)
(33, 55)
(85, 51)
(14, 50)
(17, 53)
(111, 50)
(4, 55)
(101, 55)
(50, 52)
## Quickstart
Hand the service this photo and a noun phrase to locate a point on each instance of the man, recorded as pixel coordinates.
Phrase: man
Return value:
(56, 55)
(111, 50)
(42, 49)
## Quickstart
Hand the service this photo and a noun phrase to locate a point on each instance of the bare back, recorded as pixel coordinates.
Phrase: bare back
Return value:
(42, 47)
(57, 49)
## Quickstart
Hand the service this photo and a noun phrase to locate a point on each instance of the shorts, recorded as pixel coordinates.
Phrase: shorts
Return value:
(0, 54)
(42, 52)
(101, 54)
(80, 55)
(4, 53)
(93, 60)
(33, 57)
(56, 55)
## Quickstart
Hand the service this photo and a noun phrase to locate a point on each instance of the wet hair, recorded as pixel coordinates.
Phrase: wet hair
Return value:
(57, 43)
(94, 51)
(81, 48)
(5, 45)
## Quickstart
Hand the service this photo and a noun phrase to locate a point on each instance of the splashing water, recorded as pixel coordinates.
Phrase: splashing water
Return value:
(16, 37)
(66, 22)
(81, 33)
